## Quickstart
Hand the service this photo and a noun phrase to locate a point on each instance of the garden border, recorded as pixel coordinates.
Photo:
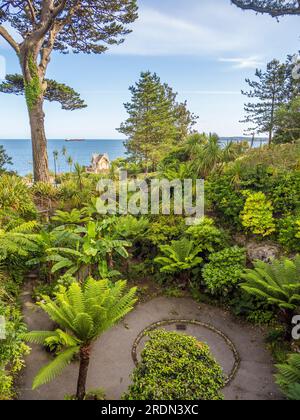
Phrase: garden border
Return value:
(237, 359)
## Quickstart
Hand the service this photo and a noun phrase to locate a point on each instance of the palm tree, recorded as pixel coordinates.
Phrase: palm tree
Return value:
(206, 153)
(55, 156)
(70, 162)
(79, 171)
(83, 313)
(64, 151)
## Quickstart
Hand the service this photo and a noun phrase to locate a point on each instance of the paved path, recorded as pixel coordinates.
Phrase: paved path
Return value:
(111, 362)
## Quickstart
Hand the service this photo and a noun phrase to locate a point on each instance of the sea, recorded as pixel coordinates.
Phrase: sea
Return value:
(80, 151)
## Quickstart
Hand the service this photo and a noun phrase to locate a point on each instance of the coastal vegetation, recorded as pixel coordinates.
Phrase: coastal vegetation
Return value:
(89, 270)
(252, 203)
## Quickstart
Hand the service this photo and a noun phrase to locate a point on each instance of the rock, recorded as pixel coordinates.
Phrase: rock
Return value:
(262, 251)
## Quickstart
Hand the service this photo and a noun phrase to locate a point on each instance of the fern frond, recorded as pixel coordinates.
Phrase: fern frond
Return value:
(55, 368)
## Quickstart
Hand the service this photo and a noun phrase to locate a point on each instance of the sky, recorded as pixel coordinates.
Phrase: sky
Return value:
(203, 49)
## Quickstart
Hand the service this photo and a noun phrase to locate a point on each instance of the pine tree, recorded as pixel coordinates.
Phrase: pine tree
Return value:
(34, 29)
(156, 121)
(270, 91)
(275, 8)
(4, 159)
(287, 122)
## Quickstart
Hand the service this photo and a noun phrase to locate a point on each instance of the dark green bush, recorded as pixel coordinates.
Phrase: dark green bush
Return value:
(289, 229)
(176, 367)
(224, 271)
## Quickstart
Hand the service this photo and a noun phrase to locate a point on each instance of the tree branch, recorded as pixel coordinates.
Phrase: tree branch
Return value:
(273, 11)
(5, 34)
(32, 11)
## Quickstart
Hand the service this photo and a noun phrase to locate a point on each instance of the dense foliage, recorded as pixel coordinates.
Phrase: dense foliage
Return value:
(288, 377)
(4, 159)
(224, 270)
(176, 367)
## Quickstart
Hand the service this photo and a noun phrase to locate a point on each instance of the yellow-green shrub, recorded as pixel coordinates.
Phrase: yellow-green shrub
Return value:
(257, 216)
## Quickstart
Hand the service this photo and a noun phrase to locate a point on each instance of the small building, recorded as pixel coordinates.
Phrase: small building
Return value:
(100, 164)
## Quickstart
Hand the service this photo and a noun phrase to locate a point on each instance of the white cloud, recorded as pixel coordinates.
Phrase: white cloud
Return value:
(156, 33)
(244, 63)
(207, 28)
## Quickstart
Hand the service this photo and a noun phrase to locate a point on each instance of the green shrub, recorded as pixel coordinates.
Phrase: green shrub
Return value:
(12, 349)
(16, 196)
(224, 271)
(207, 236)
(165, 229)
(289, 233)
(176, 367)
(130, 227)
(284, 192)
(225, 199)
(44, 190)
(257, 216)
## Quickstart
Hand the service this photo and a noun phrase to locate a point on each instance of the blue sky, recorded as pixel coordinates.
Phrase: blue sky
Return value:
(204, 49)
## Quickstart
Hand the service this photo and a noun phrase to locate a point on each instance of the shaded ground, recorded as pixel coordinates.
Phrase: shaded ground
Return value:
(111, 362)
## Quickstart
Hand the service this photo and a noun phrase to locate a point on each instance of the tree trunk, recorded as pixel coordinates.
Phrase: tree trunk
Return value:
(110, 261)
(39, 142)
(288, 319)
(35, 88)
(270, 137)
(83, 372)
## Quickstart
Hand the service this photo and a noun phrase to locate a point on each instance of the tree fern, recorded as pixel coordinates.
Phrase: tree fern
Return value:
(55, 368)
(288, 377)
(180, 255)
(277, 283)
(83, 311)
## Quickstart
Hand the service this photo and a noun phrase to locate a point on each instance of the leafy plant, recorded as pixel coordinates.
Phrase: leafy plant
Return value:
(225, 198)
(90, 248)
(224, 271)
(129, 227)
(289, 233)
(70, 219)
(165, 229)
(207, 235)
(277, 284)
(179, 257)
(288, 377)
(19, 241)
(257, 216)
(176, 367)
(4, 159)
(83, 312)
(16, 196)
(12, 348)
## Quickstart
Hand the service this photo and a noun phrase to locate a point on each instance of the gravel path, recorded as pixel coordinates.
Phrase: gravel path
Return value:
(111, 361)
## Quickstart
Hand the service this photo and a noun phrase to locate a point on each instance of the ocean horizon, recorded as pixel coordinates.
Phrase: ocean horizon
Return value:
(81, 151)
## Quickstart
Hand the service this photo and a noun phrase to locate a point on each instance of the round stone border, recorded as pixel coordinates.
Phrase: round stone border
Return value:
(154, 326)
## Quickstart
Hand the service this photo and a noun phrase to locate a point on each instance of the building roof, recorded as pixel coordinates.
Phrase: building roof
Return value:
(98, 157)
